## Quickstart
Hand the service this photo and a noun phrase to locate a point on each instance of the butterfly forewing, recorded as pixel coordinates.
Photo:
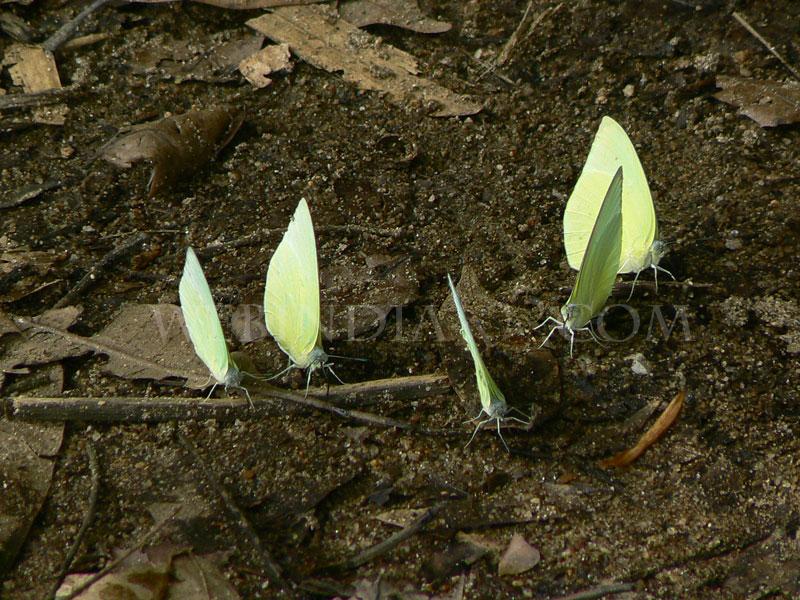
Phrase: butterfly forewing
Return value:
(291, 297)
(202, 321)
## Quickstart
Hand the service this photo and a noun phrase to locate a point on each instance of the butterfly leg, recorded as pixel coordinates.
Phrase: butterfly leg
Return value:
(547, 320)
(477, 428)
(213, 387)
(633, 285)
(553, 330)
(656, 269)
(500, 435)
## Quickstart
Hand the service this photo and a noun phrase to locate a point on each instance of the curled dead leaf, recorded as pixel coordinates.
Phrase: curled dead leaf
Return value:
(650, 437)
(176, 146)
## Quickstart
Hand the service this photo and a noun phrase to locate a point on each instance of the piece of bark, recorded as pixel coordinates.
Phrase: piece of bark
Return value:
(322, 39)
(258, 65)
(399, 13)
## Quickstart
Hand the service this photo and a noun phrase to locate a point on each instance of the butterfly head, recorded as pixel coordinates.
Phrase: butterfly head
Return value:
(657, 252)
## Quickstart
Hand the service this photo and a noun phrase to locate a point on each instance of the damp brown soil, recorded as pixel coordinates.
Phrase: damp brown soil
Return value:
(710, 511)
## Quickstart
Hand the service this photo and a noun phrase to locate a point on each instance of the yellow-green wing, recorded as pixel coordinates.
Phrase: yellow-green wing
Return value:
(492, 399)
(600, 261)
(611, 149)
(291, 297)
(202, 321)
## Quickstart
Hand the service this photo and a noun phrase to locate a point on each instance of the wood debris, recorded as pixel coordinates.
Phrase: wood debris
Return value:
(322, 39)
(34, 68)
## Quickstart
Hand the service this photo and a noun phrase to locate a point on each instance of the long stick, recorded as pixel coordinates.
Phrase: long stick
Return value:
(156, 409)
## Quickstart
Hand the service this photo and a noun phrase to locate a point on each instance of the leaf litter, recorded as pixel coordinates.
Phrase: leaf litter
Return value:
(143, 341)
(176, 146)
(327, 42)
(398, 13)
(768, 103)
(27, 460)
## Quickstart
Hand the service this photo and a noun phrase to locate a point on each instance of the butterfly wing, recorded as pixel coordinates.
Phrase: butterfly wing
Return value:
(601, 259)
(291, 297)
(492, 399)
(611, 149)
(202, 321)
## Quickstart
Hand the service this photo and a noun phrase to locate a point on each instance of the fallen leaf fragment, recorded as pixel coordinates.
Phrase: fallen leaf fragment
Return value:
(399, 13)
(651, 436)
(768, 103)
(271, 59)
(320, 38)
(519, 557)
(177, 146)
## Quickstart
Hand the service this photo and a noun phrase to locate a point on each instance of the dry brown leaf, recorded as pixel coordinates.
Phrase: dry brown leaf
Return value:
(197, 577)
(400, 13)
(38, 345)
(519, 557)
(320, 38)
(149, 341)
(144, 341)
(177, 146)
(271, 59)
(768, 103)
(650, 437)
(140, 576)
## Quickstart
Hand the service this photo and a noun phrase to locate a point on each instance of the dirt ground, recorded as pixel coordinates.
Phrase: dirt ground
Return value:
(710, 511)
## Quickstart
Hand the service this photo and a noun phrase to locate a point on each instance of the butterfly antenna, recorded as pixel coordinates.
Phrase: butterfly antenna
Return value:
(348, 358)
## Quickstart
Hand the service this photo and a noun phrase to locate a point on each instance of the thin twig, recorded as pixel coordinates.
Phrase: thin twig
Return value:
(517, 36)
(143, 541)
(36, 99)
(505, 53)
(743, 22)
(91, 276)
(68, 29)
(156, 409)
(259, 237)
(271, 569)
(392, 541)
(88, 517)
(597, 592)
